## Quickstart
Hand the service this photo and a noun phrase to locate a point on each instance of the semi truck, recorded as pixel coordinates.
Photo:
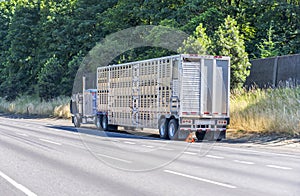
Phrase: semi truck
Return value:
(177, 95)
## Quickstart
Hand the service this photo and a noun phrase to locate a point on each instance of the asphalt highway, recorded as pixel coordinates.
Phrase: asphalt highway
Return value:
(40, 157)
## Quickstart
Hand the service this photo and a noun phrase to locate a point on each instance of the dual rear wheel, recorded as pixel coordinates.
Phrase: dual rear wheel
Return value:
(168, 129)
(102, 122)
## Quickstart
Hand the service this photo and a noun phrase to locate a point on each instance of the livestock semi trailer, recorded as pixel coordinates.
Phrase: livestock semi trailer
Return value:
(177, 95)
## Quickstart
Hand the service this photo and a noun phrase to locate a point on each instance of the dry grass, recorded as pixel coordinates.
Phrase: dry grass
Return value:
(266, 111)
(255, 111)
(58, 107)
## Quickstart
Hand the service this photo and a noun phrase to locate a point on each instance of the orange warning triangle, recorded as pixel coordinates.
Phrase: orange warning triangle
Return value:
(190, 138)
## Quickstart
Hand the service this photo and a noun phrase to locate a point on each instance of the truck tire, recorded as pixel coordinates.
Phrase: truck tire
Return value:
(163, 128)
(77, 120)
(98, 122)
(104, 123)
(173, 129)
(200, 135)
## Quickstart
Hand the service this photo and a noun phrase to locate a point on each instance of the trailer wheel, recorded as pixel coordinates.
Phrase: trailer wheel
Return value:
(98, 122)
(173, 129)
(163, 128)
(104, 123)
(77, 120)
(200, 135)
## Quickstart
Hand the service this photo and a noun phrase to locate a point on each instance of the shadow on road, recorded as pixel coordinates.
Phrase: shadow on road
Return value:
(110, 134)
(137, 134)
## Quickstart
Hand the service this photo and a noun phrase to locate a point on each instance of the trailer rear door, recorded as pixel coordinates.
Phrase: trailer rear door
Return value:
(205, 86)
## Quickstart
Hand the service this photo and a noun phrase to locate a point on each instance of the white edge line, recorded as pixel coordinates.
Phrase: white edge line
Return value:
(44, 140)
(279, 167)
(132, 143)
(201, 179)
(114, 158)
(214, 157)
(244, 162)
(190, 153)
(147, 146)
(17, 185)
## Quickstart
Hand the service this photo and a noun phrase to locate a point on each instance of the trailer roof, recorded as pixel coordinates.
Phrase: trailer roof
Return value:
(169, 57)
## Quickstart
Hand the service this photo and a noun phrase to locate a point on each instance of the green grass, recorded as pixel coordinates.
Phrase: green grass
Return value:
(58, 107)
(266, 111)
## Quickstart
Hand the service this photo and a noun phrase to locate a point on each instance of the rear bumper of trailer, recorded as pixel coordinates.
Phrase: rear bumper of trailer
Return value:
(194, 124)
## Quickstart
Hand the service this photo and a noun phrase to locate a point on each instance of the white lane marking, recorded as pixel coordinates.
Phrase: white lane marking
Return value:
(147, 146)
(214, 157)
(257, 152)
(190, 153)
(48, 141)
(93, 136)
(201, 179)
(244, 162)
(114, 158)
(279, 167)
(132, 143)
(23, 134)
(52, 129)
(17, 185)
(163, 148)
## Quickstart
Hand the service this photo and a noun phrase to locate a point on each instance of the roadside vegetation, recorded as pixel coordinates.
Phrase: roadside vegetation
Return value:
(43, 43)
(28, 105)
(252, 112)
(266, 111)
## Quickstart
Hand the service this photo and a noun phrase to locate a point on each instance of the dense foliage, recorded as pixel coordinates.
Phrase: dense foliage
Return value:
(42, 41)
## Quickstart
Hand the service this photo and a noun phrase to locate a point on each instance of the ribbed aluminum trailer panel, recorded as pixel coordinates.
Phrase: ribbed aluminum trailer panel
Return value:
(136, 94)
(192, 89)
(177, 94)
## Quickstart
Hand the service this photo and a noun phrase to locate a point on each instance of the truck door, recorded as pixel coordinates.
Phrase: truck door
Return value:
(190, 86)
(214, 87)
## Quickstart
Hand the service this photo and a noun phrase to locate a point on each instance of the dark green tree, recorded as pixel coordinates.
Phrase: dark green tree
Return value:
(69, 75)
(5, 15)
(229, 42)
(198, 43)
(33, 31)
(268, 47)
(49, 79)
(283, 16)
(19, 65)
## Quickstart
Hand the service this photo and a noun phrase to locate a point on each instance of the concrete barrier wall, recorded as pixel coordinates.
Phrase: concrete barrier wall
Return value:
(275, 72)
